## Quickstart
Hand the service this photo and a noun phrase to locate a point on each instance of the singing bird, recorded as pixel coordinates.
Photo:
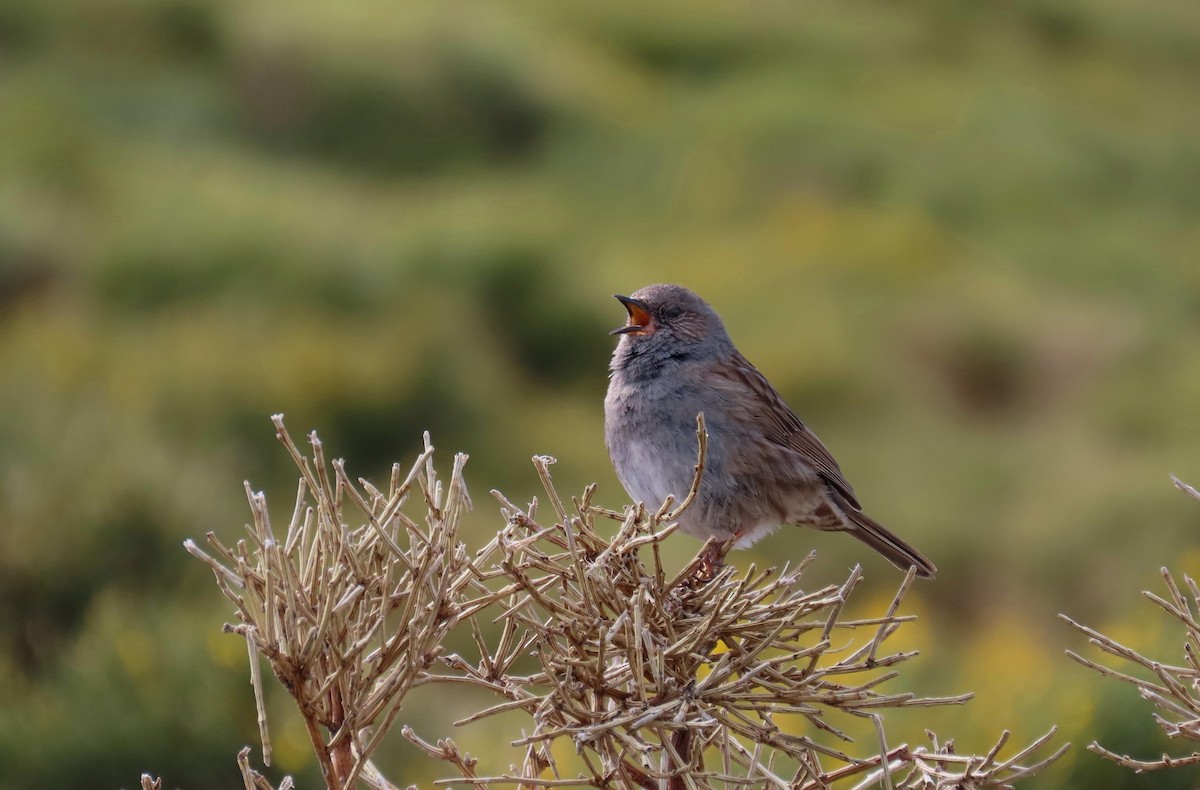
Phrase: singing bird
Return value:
(763, 467)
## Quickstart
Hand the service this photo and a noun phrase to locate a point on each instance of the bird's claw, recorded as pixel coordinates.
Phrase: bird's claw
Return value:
(711, 561)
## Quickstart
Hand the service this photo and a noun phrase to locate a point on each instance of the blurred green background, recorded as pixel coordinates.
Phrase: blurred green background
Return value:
(960, 238)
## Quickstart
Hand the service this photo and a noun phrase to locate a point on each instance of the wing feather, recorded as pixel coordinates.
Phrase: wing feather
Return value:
(781, 425)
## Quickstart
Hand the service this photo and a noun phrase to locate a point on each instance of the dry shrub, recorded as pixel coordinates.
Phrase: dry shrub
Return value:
(349, 619)
(694, 679)
(1171, 687)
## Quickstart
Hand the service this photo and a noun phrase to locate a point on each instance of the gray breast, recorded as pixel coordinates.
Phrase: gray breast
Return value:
(651, 435)
(650, 431)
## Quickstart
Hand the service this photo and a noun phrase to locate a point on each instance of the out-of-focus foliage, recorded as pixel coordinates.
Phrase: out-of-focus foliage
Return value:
(960, 238)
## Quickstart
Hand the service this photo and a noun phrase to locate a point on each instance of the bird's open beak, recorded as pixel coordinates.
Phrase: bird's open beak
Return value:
(639, 316)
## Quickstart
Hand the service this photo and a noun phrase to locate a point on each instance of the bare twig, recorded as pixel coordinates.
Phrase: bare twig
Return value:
(1170, 688)
(679, 682)
(697, 680)
(348, 618)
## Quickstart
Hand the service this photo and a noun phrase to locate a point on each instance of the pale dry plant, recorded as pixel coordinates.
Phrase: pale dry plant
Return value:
(348, 618)
(661, 680)
(1174, 689)
(251, 779)
(696, 679)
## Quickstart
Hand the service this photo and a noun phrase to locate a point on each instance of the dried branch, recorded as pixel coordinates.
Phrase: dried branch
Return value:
(686, 680)
(1185, 488)
(942, 768)
(251, 779)
(348, 618)
(1174, 690)
(699, 679)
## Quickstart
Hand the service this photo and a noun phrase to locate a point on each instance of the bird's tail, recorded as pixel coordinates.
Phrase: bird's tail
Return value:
(884, 541)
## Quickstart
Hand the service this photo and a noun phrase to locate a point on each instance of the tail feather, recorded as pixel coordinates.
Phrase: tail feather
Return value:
(884, 541)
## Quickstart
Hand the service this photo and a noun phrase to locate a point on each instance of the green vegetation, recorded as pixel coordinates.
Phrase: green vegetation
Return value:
(960, 238)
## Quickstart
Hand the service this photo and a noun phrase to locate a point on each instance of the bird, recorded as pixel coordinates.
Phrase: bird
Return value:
(763, 467)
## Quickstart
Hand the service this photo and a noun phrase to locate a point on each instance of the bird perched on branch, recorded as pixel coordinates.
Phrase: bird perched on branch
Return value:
(763, 467)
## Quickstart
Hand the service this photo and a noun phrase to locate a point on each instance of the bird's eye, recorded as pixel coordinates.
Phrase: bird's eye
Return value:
(671, 313)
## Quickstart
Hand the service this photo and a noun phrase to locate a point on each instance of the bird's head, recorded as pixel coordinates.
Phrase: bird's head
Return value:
(667, 321)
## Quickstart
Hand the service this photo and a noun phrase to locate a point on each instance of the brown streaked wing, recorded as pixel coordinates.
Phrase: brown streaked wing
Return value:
(782, 426)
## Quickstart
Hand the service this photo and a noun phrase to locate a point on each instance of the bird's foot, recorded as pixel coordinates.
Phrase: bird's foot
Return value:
(711, 561)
